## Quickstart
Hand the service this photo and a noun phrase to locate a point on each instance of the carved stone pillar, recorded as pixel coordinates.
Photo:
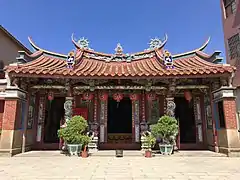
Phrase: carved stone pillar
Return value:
(170, 106)
(170, 110)
(68, 104)
(68, 108)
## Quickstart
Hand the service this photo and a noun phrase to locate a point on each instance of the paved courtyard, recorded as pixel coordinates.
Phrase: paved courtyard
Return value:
(30, 167)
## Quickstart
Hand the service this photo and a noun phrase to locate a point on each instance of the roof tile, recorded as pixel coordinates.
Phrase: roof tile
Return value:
(86, 67)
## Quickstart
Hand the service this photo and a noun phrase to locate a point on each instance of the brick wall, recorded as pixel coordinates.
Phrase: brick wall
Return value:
(229, 106)
(9, 116)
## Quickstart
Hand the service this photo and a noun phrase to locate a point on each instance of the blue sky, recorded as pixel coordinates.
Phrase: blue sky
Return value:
(105, 23)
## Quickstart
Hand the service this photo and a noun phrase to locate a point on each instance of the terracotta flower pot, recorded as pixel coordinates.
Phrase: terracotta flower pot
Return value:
(84, 154)
(148, 154)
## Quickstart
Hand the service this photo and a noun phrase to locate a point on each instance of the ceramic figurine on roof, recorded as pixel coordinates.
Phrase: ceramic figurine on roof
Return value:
(70, 60)
(119, 49)
(168, 60)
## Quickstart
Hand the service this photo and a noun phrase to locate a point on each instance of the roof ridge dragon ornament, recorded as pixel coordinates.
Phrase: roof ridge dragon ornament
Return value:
(156, 43)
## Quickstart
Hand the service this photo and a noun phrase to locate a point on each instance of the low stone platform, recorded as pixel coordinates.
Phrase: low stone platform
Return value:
(111, 153)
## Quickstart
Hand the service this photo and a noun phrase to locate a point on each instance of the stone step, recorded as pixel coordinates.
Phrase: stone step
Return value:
(111, 153)
(132, 153)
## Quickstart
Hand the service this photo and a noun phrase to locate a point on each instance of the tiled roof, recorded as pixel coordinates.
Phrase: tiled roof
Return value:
(88, 66)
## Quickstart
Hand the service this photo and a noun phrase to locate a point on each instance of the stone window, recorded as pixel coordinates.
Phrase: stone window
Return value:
(230, 7)
(234, 46)
(222, 123)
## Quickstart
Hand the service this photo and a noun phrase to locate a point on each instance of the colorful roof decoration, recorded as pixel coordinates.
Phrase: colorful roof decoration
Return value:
(149, 63)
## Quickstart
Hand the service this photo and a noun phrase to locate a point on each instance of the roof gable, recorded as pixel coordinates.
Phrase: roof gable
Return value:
(14, 39)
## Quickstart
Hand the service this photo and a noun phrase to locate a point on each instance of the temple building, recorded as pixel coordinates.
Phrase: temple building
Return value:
(120, 95)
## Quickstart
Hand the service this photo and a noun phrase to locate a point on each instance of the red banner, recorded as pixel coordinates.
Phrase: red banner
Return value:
(81, 112)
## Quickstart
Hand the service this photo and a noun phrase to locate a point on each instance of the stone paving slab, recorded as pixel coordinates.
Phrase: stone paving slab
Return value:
(126, 168)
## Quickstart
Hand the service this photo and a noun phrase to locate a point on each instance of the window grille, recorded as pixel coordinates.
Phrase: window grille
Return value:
(230, 7)
(234, 46)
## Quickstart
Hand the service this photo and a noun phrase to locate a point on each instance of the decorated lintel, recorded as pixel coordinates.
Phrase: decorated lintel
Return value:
(168, 60)
(70, 60)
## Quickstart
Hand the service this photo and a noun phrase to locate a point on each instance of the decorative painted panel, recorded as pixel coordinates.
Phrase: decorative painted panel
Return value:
(102, 121)
(40, 119)
(23, 114)
(198, 119)
(136, 120)
(31, 111)
(153, 111)
(102, 133)
(143, 123)
(208, 111)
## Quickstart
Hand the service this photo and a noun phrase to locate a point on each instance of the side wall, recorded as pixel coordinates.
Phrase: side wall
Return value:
(8, 49)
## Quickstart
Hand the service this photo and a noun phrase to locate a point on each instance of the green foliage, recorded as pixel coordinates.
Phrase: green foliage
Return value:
(149, 140)
(74, 132)
(166, 129)
(85, 140)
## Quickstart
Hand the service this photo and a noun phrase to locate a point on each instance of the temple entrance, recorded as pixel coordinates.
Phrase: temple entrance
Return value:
(119, 125)
(185, 114)
(54, 114)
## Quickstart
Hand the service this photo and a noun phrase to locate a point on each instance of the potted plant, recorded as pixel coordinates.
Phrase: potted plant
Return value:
(148, 143)
(166, 130)
(74, 134)
(85, 141)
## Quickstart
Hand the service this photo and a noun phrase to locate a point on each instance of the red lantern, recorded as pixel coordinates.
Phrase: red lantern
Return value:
(133, 97)
(118, 97)
(87, 96)
(50, 96)
(103, 96)
(188, 95)
(151, 96)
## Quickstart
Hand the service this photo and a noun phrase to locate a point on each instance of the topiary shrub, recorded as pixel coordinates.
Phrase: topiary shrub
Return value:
(166, 129)
(75, 131)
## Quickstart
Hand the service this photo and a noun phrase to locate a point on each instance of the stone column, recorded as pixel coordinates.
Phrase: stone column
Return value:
(170, 107)
(68, 103)
(14, 117)
(94, 124)
(103, 97)
(227, 130)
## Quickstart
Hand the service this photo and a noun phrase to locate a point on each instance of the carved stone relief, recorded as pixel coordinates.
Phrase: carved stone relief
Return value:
(68, 108)
(170, 110)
